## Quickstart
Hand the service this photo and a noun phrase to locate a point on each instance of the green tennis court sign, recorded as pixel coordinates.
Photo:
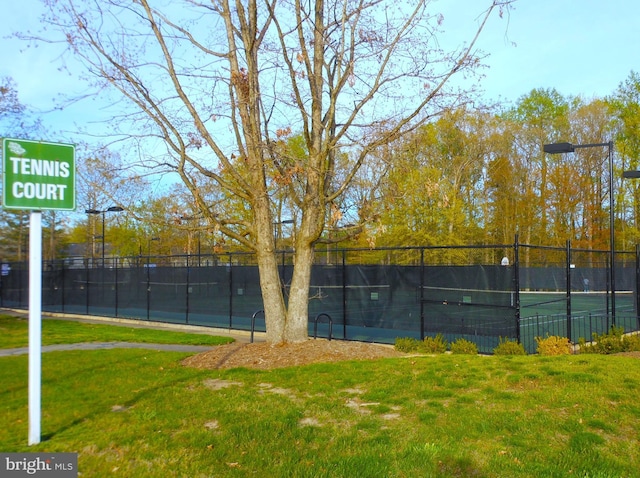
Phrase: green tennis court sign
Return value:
(37, 175)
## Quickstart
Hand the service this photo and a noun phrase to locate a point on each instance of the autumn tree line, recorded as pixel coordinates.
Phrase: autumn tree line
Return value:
(470, 176)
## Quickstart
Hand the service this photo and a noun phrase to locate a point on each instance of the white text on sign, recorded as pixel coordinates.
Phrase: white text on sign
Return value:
(40, 167)
(38, 191)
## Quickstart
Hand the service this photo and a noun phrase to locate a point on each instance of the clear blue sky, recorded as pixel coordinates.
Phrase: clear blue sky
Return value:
(579, 47)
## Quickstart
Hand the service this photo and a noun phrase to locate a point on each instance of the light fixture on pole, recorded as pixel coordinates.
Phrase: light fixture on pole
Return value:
(558, 148)
(97, 211)
(149, 246)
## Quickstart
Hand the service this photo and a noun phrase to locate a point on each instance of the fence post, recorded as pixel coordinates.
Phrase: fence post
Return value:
(22, 286)
(63, 276)
(148, 287)
(344, 296)
(230, 269)
(637, 291)
(421, 293)
(186, 318)
(516, 285)
(608, 288)
(568, 272)
(114, 260)
(283, 276)
(87, 282)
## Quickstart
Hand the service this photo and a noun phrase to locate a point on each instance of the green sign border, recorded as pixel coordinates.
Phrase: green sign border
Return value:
(43, 182)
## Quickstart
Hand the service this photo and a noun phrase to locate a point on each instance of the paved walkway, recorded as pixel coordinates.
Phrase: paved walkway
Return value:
(237, 335)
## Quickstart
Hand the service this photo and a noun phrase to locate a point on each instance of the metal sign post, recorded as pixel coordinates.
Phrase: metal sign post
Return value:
(37, 176)
(35, 325)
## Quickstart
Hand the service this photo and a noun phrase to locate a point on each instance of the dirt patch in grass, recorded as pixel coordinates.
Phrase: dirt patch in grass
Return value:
(267, 356)
(630, 354)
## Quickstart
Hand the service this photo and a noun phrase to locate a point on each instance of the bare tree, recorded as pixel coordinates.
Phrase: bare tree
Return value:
(16, 120)
(222, 84)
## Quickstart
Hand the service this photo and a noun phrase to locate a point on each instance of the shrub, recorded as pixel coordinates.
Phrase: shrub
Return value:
(434, 345)
(612, 342)
(608, 343)
(464, 346)
(632, 343)
(553, 345)
(407, 344)
(509, 347)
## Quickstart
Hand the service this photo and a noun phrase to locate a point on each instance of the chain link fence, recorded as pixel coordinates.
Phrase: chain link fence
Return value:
(479, 293)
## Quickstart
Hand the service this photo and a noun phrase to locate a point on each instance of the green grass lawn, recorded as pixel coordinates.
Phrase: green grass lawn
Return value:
(14, 333)
(139, 413)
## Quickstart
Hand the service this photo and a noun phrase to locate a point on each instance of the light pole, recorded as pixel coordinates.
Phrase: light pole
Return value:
(633, 174)
(557, 148)
(97, 211)
(149, 247)
(149, 275)
(189, 236)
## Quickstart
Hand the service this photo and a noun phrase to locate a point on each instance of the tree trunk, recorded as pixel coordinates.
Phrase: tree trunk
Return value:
(272, 297)
(296, 328)
(286, 322)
